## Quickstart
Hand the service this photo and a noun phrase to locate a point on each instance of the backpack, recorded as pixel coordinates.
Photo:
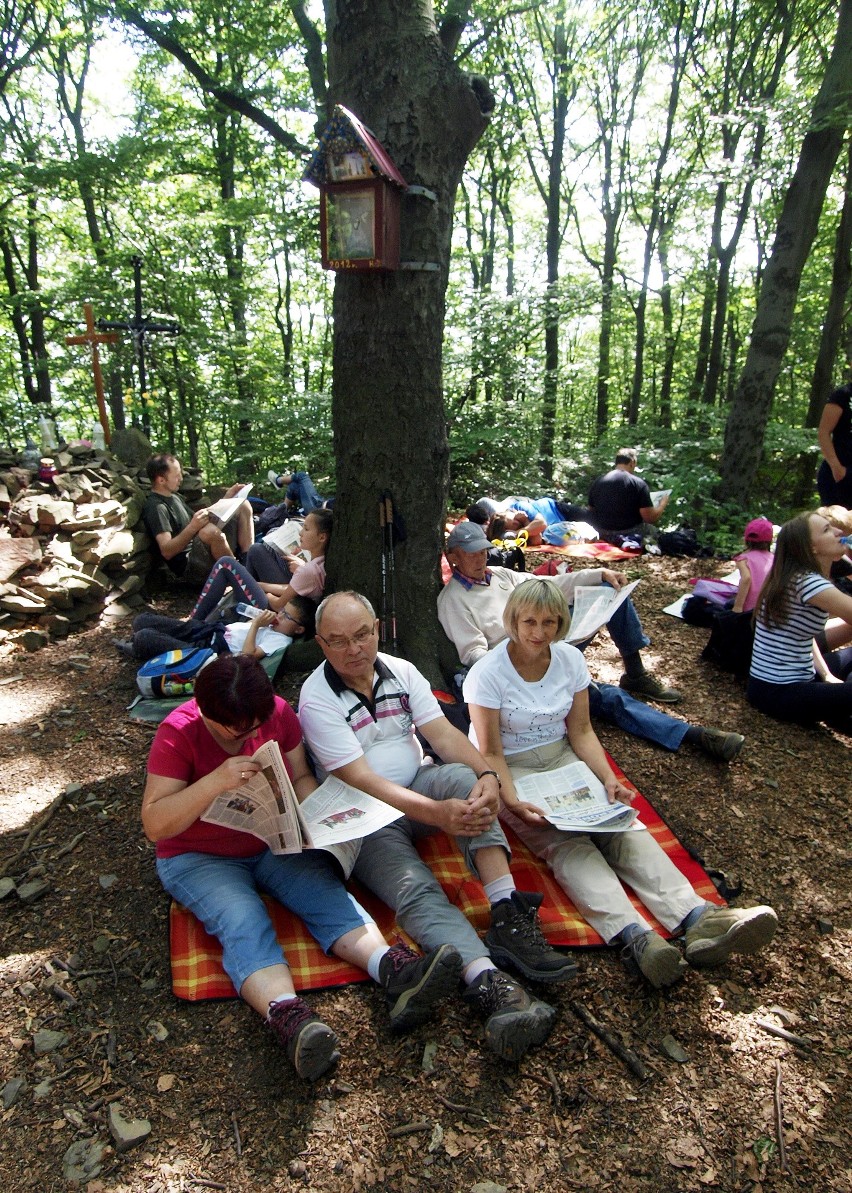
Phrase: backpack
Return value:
(506, 557)
(731, 642)
(173, 673)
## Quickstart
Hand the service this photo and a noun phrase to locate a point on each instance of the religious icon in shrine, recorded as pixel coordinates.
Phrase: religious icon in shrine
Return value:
(360, 190)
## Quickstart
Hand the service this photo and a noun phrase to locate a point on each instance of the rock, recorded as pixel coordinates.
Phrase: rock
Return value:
(33, 640)
(107, 880)
(28, 892)
(131, 446)
(16, 554)
(127, 1133)
(7, 885)
(43, 1089)
(670, 1048)
(430, 1051)
(297, 1169)
(488, 1187)
(46, 1040)
(825, 927)
(82, 1161)
(11, 1091)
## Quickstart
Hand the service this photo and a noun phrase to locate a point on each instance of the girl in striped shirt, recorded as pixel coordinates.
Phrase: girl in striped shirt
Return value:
(791, 677)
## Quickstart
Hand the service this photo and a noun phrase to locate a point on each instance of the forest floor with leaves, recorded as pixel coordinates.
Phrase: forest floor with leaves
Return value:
(743, 1110)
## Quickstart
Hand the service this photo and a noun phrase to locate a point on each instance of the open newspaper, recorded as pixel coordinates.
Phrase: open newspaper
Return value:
(285, 538)
(223, 510)
(334, 817)
(572, 798)
(594, 605)
(658, 494)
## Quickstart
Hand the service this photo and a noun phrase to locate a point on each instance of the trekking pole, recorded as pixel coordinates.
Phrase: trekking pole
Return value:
(391, 571)
(383, 618)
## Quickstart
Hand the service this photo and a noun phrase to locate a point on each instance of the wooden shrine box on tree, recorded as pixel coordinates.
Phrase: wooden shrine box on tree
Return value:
(360, 190)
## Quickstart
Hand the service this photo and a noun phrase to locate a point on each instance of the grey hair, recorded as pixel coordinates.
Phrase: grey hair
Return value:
(355, 596)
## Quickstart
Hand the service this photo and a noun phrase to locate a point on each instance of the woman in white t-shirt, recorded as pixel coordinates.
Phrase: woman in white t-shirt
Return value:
(529, 710)
(792, 677)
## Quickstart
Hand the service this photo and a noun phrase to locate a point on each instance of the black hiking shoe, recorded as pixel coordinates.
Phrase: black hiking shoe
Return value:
(310, 1044)
(515, 939)
(514, 1021)
(415, 984)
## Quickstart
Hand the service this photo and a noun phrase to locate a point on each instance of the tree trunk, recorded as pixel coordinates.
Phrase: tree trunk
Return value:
(386, 62)
(832, 328)
(797, 226)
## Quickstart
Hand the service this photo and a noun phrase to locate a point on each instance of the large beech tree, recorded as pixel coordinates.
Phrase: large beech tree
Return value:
(389, 63)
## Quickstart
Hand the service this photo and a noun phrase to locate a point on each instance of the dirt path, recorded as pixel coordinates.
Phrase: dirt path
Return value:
(88, 959)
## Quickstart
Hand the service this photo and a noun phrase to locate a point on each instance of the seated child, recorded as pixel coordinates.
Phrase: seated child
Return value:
(753, 564)
(270, 631)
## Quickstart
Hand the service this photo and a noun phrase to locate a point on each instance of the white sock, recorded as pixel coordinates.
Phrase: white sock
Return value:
(500, 888)
(375, 961)
(291, 994)
(471, 972)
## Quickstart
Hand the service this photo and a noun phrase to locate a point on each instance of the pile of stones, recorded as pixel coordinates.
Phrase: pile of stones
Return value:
(73, 548)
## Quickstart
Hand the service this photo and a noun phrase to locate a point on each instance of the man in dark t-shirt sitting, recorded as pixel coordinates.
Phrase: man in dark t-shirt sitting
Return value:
(620, 502)
(190, 543)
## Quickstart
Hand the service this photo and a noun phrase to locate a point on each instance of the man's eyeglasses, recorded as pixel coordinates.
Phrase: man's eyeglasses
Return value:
(339, 642)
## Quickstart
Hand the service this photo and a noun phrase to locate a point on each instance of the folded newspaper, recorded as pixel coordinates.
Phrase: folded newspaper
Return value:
(594, 605)
(334, 817)
(285, 538)
(574, 799)
(223, 510)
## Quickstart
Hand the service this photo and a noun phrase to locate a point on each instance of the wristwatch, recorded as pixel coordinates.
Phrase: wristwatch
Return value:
(483, 773)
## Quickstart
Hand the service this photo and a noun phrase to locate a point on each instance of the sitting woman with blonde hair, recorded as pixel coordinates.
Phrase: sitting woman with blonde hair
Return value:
(529, 710)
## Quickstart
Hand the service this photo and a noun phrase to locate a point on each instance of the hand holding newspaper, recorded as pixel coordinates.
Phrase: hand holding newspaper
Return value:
(221, 512)
(285, 538)
(333, 817)
(658, 495)
(574, 799)
(594, 605)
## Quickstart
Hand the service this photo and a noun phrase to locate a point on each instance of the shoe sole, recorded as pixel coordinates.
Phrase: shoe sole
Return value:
(316, 1051)
(745, 936)
(504, 959)
(511, 1034)
(439, 981)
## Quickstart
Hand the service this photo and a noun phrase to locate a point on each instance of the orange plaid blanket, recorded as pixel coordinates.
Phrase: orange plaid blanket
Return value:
(196, 957)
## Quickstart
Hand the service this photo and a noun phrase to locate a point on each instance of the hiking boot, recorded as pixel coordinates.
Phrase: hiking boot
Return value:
(273, 477)
(648, 685)
(414, 985)
(655, 959)
(124, 648)
(515, 939)
(514, 1021)
(722, 746)
(726, 930)
(310, 1044)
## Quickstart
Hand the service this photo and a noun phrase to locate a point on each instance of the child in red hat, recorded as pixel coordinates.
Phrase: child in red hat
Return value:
(753, 564)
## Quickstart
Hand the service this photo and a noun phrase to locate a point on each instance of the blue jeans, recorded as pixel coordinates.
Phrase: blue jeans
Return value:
(301, 491)
(634, 716)
(227, 573)
(626, 631)
(224, 894)
(390, 866)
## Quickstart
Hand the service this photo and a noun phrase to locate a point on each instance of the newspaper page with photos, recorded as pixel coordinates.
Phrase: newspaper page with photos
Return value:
(334, 817)
(223, 510)
(285, 538)
(594, 605)
(574, 799)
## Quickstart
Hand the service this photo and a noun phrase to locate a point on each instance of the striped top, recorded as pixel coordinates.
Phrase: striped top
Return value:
(784, 654)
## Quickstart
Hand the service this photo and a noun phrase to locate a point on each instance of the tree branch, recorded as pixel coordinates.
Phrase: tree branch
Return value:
(314, 61)
(225, 96)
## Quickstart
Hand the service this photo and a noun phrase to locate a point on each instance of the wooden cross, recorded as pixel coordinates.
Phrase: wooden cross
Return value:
(95, 337)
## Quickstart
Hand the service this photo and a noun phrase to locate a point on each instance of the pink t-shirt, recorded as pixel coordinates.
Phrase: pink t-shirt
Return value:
(184, 748)
(309, 579)
(759, 564)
